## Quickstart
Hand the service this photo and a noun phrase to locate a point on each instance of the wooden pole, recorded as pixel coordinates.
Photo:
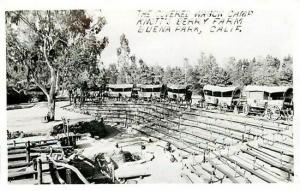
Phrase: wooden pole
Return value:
(39, 171)
(68, 132)
(68, 176)
(113, 173)
(35, 168)
(74, 169)
(52, 172)
(28, 151)
(74, 140)
(64, 124)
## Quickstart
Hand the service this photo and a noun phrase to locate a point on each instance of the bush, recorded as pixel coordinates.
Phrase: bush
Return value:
(14, 97)
(95, 128)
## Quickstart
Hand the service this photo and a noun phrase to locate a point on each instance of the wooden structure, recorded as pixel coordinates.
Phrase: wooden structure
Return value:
(41, 161)
(272, 101)
(222, 97)
(150, 91)
(225, 148)
(117, 90)
(179, 92)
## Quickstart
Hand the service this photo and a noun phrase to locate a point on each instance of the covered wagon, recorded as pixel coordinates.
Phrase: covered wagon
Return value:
(272, 101)
(120, 90)
(150, 91)
(179, 92)
(222, 97)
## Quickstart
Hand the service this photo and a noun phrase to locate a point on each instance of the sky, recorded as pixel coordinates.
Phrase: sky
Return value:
(264, 32)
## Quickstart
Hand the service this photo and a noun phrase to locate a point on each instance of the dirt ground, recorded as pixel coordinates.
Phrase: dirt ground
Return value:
(29, 120)
(161, 169)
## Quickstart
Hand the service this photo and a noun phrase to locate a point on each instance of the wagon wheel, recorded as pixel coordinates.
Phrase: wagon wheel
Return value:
(122, 180)
(246, 109)
(274, 112)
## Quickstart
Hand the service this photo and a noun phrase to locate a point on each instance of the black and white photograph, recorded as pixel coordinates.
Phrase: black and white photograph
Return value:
(194, 95)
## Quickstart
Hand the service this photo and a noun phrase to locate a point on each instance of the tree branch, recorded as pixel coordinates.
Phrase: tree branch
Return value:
(55, 41)
(29, 24)
(41, 86)
(18, 91)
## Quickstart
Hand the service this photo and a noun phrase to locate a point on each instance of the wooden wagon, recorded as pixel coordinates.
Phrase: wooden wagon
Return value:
(179, 92)
(223, 98)
(148, 92)
(120, 90)
(271, 101)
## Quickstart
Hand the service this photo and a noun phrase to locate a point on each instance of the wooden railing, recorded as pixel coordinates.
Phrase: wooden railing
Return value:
(178, 126)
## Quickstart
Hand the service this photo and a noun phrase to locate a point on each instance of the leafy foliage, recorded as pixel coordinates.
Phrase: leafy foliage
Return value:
(51, 48)
(63, 49)
(259, 71)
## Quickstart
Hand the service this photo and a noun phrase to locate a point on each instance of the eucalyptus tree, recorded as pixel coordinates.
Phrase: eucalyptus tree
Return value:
(45, 47)
(286, 71)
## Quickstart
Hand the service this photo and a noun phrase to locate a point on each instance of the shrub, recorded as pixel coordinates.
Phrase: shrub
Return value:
(95, 128)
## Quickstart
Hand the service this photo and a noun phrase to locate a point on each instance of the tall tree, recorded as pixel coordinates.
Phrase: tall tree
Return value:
(239, 71)
(52, 44)
(265, 71)
(174, 75)
(112, 73)
(158, 74)
(145, 73)
(285, 72)
(124, 60)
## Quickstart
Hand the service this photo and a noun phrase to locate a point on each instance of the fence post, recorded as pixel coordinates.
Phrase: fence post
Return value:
(113, 173)
(39, 171)
(68, 176)
(28, 151)
(68, 121)
(35, 168)
(74, 140)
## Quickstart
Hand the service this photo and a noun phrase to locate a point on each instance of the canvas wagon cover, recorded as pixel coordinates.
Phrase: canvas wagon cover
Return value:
(150, 86)
(176, 87)
(269, 89)
(219, 88)
(114, 86)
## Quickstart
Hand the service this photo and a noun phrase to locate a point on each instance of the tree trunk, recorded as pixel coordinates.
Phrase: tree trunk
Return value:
(57, 82)
(51, 108)
(51, 96)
